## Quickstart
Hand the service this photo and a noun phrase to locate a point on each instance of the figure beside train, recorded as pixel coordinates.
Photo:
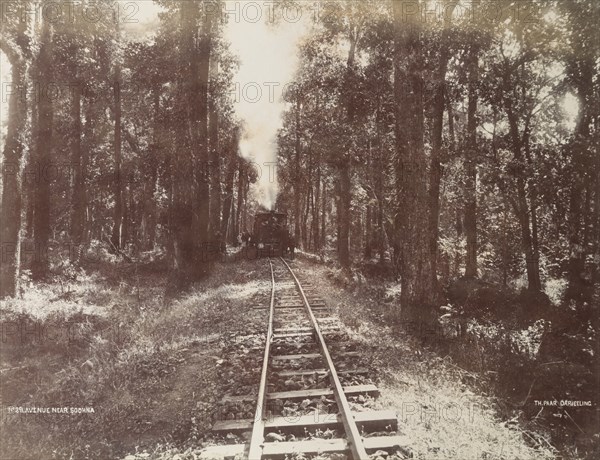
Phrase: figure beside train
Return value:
(270, 235)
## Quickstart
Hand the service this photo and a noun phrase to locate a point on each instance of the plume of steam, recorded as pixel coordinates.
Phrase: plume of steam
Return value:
(268, 55)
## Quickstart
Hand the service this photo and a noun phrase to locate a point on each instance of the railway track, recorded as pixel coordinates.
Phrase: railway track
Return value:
(306, 406)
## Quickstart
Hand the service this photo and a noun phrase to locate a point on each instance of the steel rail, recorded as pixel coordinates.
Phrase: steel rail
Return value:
(353, 435)
(260, 416)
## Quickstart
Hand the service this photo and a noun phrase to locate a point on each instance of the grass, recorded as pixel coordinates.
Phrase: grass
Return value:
(109, 339)
(440, 407)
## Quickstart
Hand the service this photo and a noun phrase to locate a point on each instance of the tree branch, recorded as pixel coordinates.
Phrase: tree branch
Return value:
(11, 50)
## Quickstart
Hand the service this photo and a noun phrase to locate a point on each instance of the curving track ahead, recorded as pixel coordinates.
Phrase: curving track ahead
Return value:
(296, 355)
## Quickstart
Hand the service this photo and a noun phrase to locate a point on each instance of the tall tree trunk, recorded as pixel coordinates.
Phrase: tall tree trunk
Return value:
(228, 201)
(309, 197)
(184, 159)
(169, 220)
(471, 167)
(316, 206)
(228, 218)
(308, 200)
(344, 214)
(29, 193)
(381, 232)
(215, 159)
(41, 220)
(344, 167)
(245, 205)
(356, 233)
(435, 170)
(582, 68)
(532, 264)
(596, 218)
(10, 217)
(533, 205)
(29, 182)
(323, 243)
(297, 175)
(505, 244)
(233, 228)
(451, 134)
(240, 197)
(150, 212)
(128, 214)
(368, 232)
(368, 235)
(379, 186)
(199, 76)
(87, 142)
(31, 168)
(116, 238)
(78, 199)
(458, 226)
(413, 263)
(521, 206)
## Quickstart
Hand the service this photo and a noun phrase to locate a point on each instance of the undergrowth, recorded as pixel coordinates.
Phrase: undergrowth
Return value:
(501, 367)
(107, 337)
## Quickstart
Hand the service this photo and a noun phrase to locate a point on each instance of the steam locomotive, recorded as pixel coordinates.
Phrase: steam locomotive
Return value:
(270, 234)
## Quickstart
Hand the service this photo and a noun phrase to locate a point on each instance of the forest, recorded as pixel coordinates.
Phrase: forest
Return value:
(446, 148)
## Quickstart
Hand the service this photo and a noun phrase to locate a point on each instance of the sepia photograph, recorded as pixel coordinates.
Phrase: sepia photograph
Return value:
(299, 229)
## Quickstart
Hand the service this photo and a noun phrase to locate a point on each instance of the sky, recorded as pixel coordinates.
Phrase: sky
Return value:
(140, 17)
